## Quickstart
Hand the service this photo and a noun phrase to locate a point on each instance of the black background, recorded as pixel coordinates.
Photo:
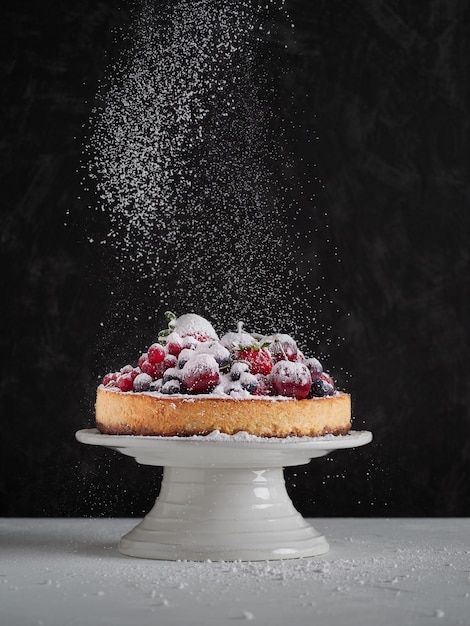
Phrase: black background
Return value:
(385, 84)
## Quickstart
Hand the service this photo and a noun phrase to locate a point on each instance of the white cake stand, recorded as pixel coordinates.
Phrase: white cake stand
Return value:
(223, 497)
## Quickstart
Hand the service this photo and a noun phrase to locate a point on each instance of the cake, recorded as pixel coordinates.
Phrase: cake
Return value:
(191, 382)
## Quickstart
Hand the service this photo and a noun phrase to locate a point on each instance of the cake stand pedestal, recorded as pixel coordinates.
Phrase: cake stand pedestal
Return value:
(223, 497)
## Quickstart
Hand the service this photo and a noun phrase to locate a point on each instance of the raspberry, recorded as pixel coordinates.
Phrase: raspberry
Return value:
(291, 379)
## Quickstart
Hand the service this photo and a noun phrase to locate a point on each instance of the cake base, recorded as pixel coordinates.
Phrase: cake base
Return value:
(120, 413)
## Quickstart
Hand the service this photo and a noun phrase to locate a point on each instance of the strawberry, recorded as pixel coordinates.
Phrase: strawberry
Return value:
(258, 358)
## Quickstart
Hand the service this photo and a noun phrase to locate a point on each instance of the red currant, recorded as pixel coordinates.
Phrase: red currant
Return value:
(125, 382)
(156, 353)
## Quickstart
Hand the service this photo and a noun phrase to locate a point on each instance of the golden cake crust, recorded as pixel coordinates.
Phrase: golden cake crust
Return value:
(129, 413)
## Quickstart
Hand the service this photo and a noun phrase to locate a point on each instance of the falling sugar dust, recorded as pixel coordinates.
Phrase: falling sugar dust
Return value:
(188, 156)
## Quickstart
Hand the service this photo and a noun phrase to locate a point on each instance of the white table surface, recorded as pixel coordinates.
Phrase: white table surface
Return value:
(68, 572)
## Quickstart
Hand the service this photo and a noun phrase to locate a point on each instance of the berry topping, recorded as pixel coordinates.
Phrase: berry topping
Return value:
(238, 368)
(156, 353)
(314, 366)
(171, 386)
(235, 341)
(110, 379)
(291, 379)
(142, 382)
(217, 350)
(195, 326)
(259, 359)
(249, 382)
(170, 361)
(284, 348)
(174, 343)
(149, 368)
(156, 385)
(184, 356)
(322, 386)
(189, 358)
(125, 382)
(172, 373)
(264, 387)
(200, 374)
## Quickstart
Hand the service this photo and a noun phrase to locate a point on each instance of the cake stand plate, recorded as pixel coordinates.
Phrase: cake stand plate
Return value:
(223, 497)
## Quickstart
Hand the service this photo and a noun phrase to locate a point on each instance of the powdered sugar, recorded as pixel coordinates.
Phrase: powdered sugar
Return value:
(188, 170)
(195, 326)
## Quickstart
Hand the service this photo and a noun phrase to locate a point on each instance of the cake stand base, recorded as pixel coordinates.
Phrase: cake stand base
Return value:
(223, 498)
(223, 515)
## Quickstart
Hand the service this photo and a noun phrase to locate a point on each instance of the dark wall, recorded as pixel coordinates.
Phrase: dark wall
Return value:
(385, 87)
